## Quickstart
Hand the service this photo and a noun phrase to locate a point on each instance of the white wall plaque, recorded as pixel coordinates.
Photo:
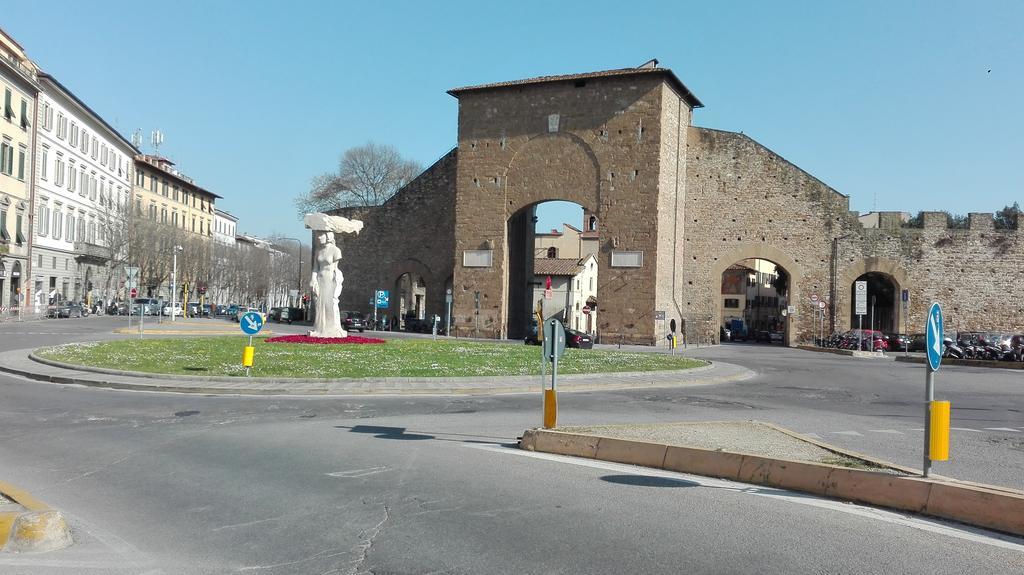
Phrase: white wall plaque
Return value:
(477, 258)
(627, 259)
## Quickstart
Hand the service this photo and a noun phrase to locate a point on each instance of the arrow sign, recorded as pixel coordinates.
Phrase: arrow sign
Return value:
(251, 323)
(933, 336)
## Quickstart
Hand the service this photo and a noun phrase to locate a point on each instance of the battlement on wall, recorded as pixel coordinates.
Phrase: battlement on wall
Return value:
(933, 220)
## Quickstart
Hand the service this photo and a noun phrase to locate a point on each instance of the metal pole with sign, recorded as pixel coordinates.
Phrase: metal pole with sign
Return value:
(251, 324)
(552, 348)
(861, 308)
(936, 432)
(448, 312)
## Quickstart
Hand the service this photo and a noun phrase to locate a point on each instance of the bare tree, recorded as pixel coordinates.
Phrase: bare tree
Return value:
(367, 175)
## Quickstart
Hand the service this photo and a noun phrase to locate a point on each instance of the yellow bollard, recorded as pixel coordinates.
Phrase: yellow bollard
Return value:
(938, 441)
(550, 408)
(247, 356)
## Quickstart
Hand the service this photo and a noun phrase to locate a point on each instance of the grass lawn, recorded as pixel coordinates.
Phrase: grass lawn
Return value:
(396, 358)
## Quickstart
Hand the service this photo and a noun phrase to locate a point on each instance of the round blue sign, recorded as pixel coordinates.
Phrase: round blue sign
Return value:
(934, 334)
(251, 322)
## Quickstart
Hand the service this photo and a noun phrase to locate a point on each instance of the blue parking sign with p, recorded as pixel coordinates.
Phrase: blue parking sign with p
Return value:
(382, 298)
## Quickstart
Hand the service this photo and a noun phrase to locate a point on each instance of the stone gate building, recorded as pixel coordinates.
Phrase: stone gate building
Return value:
(674, 205)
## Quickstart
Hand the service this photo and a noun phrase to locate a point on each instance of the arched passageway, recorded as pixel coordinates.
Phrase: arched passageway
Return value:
(883, 303)
(552, 267)
(754, 301)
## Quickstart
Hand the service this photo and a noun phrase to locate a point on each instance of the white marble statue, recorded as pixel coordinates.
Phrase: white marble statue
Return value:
(327, 277)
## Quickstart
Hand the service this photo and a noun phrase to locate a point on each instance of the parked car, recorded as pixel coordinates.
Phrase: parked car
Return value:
(221, 309)
(870, 339)
(724, 334)
(244, 310)
(353, 320)
(70, 309)
(207, 310)
(290, 314)
(174, 310)
(232, 310)
(578, 339)
(147, 306)
(898, 341)
(193, 308)
(118, 308)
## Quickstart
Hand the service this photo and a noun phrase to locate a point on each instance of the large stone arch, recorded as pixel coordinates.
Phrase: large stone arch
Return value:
(859, 267)
(551, 167)
(746, 251)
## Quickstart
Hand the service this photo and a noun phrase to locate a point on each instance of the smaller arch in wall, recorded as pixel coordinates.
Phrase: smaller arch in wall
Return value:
(749, 251)
(889, 269)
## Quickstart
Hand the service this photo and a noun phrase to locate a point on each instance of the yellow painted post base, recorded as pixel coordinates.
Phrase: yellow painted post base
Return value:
(247, 356)
(550, 409)
(938, 441)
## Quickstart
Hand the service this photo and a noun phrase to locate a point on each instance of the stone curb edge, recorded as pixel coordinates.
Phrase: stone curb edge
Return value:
(520, 389)
(38, 528)
(991, 364)
(990, 507)
(846, 352)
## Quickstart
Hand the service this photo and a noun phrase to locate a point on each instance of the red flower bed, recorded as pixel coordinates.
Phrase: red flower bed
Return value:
(354, 339)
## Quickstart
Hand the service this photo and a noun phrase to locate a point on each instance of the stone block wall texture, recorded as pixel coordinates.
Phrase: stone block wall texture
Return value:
(413, 232)
(693, 200)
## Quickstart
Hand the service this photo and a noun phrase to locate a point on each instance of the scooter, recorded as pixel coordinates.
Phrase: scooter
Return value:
(951, 349)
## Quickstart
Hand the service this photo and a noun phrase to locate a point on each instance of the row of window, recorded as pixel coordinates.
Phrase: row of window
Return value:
(86, 143)
(85, 183)
(161, 215)
(5, 236)
(66, 226)
(8, 110)
(176, 193)
(225, 228)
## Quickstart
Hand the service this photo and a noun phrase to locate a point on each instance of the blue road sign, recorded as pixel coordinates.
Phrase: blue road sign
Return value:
(251, 322)
(933, 338)
(382, 298)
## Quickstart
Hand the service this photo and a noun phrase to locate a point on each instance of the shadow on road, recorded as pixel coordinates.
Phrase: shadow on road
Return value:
(402, 433)
(648, 481)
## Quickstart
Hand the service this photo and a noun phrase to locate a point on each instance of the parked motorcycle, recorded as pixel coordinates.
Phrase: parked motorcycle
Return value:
(951, 349)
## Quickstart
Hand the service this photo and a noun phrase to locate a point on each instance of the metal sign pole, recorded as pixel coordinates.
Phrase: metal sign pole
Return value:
(929, 396)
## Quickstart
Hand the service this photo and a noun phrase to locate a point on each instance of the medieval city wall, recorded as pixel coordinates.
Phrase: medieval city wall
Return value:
(413, 232)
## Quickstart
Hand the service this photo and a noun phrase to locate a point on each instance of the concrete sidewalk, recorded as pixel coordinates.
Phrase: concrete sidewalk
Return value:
(22, 363)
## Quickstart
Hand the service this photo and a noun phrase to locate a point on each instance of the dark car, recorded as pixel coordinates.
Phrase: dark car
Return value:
(290, 314)
(918, 341)
(69, 309)
(222, 309)
(274, 314)
(353, 320)
(898, 341)
(578, 339)
(231, 310)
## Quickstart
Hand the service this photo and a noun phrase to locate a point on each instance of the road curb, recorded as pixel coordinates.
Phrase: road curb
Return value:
(989, 363)
(38, 528)
(846, 352)
(375, 386)
(990, 507)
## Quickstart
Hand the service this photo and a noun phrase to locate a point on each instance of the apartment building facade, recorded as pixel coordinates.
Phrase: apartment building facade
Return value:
(83, 190)
(18, 88)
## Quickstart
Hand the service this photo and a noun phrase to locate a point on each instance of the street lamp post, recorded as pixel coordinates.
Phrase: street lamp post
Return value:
(174, 284)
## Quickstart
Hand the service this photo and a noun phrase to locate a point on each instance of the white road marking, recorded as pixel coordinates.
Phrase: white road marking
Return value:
(854, 433)
(930, 525)
(891, 431)
(966, 429)
(1003, 429)
(359, 472)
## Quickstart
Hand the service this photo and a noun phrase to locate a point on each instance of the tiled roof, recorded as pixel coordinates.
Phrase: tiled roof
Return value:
(556, 267)
(672, 79)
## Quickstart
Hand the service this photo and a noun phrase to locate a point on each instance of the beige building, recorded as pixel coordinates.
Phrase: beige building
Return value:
(572, 295)
(165, 195)
(19, 90)
(569, 243)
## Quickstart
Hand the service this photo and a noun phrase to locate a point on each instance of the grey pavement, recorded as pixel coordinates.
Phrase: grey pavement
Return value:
(187, 483)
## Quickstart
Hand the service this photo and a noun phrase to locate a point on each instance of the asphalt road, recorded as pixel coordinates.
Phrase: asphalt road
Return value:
(162, 483)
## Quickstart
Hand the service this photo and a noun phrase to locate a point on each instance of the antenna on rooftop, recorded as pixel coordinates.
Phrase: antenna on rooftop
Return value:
(137, 138)
(156, 139)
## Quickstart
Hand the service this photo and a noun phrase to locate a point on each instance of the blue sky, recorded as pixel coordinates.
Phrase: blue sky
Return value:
(900, 105)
